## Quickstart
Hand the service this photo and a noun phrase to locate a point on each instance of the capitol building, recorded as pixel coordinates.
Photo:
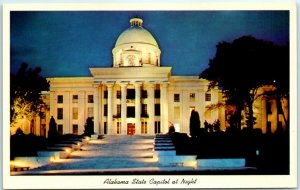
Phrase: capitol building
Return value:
(137, 96)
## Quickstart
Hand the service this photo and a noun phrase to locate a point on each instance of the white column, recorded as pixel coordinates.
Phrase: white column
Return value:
(164, 108)
(100, 106)
(96, 110)
(150, 107)
(109, 109)
(123, 109)
(137, 109)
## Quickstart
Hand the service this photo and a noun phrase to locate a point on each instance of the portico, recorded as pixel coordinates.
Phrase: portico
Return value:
(130, 90)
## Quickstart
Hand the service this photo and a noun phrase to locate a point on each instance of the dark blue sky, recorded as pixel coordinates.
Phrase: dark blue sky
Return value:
(68, 43)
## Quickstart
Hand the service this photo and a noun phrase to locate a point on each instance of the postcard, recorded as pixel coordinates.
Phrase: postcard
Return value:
(149, 95)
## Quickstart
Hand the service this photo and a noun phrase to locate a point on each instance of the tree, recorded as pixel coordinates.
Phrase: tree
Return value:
(194, 124)
(25, 93)
(52, 133)
(89, 126)
(240, 68)
(280, 82)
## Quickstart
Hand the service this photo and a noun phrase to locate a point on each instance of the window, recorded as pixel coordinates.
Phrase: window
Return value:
(144, 94)
(157, 110)
(176, 112)
(144, 127)
(90, 99)
(75, 113)
(207, 97)
(149, 58)
(157, 127)
(269, 107)
(75, 129)
(60, 129)
(60, 99)
(75, 99)
(118, 127)
(60, 113)
(90, 112)
(105, 128)
(105, 94)
(144, 111)
(119, 110)
(157, 93)
(105, 110)
(192, 97)
(130, 111)
(118, 94)
(130, 93)
(176, 97)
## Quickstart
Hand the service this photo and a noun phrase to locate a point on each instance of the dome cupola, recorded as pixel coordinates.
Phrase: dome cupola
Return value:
(136, 47)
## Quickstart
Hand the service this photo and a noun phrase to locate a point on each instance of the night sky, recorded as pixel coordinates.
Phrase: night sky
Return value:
(68, 43)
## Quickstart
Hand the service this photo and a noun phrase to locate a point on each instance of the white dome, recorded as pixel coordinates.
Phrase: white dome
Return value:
(136, 47)
(136, 34)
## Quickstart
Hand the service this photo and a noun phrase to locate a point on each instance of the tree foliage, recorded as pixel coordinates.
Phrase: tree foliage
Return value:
(89, 126)
(25, 93)
(52, 133)
(194, 123)
(240, 68)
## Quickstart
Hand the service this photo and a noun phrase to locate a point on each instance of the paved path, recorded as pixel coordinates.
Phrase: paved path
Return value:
(110, 153)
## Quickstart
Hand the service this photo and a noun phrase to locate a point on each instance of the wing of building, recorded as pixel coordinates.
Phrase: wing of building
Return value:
(138, 96)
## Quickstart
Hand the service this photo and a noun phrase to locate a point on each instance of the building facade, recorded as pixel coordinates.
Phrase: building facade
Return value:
(138, 96)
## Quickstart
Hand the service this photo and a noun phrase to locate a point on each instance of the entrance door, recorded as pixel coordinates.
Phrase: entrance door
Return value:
(130, 129)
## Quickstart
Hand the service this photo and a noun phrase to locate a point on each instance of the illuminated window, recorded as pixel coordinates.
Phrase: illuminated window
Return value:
(90, 112)
(118, 127)
(207, 97)
(118, 94)
(75, 113)
(60, 113)
(75, 99)
(75, 129)
(192, 97)
(176, 112)
(60, 99)
(119, 110)
(144, 110)
(176, 97)
(90, 99)
(144, 127)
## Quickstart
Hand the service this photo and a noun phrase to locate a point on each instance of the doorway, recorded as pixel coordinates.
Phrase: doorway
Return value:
(130, 129)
